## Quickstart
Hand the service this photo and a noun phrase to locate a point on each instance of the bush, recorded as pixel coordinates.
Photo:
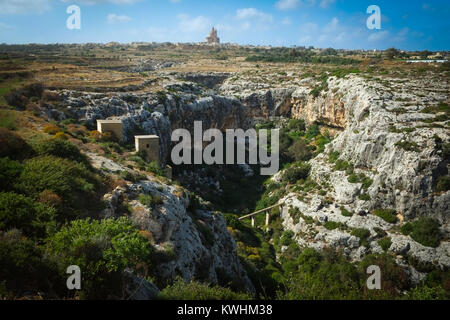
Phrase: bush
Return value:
(103, 250)
(24, 267)
(62, 176)
(300, 151)
(362, 234)
(180, 290)
(20, 212)
(297, 172)
(12, 145)
(297, 125)
(443, 184)
(51, 129)
(345, 212)
(331, 225)
(150, 201)
(155, 168)
(59, 148)
(385, 243)
(341, 165)
(424, 230)
(364, 197)
(333, 156)
(326, 275)
(388, 215)
(8, 120)
(10, 170)
(287, 238)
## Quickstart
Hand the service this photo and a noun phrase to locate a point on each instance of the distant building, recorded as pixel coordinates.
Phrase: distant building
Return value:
(113, 126)
(149, 144)
(213, 38)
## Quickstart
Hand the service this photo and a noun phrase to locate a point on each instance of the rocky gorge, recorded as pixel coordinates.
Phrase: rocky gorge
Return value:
(389, 132)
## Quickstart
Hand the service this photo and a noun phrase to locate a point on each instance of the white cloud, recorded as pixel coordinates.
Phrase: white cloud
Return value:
(378, 36)
(23, 6)
(195, 24)
(326, 3)
(332, 25)
(252, 13)
(114, 18)
(287, 4)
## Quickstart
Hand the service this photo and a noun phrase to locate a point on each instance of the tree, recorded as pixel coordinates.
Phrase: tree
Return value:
(391, 53)
(103, 250)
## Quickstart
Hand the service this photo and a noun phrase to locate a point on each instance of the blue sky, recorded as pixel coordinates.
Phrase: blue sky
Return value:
(409, 25)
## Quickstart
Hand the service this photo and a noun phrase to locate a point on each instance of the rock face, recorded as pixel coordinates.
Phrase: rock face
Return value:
(194, 245)
(384, 136)
(158, 115)
(383, 132)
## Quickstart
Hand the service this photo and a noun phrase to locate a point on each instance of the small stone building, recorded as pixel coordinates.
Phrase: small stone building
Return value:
(150, 145)
(113, 126)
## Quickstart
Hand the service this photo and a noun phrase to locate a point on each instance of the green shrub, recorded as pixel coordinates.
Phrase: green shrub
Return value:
(206, 233)
(287, 238)
(331, 225)
(408, 146)
(363, 234)
(155, 168)
(300, 151)
(345, 212)
(443, 184)
(364, 197)
(20, 212)
(341, 165)
(59, 148)
(61, 176)
(318, 276)
(353, 178)
(10, 170)
(297, 125)
(385, 243)
(424, 230)
(24, 267)
(180, 290)
(388, 215)
(103, 250)
(12, 145)
(313, 131)
(8, 120)
(150, 201)
(296, 172)
(333, 156)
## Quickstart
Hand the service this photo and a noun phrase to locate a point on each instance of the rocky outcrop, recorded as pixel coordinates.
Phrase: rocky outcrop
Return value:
(386, 139)
(193, 245)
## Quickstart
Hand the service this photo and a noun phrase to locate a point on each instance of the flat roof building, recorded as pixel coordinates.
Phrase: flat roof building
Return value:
(113, 126)
(150, 145)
